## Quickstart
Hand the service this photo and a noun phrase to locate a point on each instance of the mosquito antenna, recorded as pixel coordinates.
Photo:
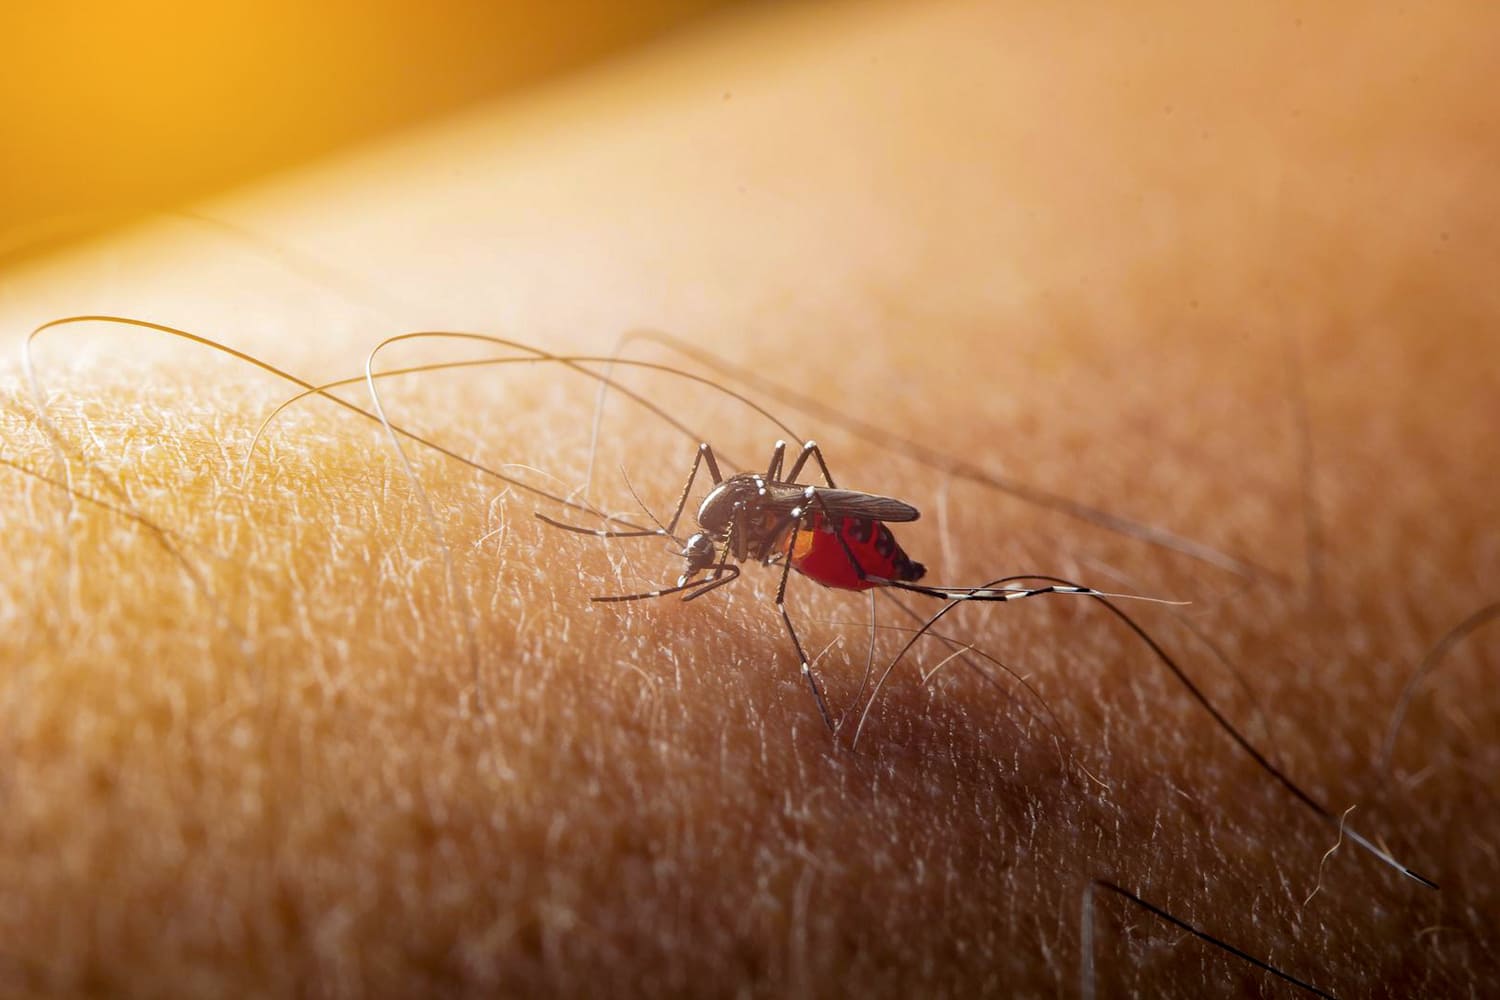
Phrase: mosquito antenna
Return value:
(633, 532)
(1435, 656)
(660, 528)
(1086, 972)
(934, 459)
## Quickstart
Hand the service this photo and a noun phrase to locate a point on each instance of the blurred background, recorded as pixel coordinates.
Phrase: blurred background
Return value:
(109, 111)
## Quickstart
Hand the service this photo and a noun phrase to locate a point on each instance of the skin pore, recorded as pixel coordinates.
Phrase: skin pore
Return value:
(1231, 280)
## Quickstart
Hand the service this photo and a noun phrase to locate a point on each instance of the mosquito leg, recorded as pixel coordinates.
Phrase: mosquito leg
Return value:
(713, 467)
(647, 595)
(705, 455)
(778, 456)
(698, 588)
(990, 593)
(810, 449)
(924, 453)
(831, 521)
(807, 671)
(731, 572)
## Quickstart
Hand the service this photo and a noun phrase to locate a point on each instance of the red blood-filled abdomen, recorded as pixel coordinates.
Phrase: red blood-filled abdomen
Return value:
(819, 555)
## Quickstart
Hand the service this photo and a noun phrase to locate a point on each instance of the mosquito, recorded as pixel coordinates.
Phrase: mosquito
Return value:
(839, 538)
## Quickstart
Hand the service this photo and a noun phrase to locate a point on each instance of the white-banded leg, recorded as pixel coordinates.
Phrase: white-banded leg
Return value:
(796, 517)
(722, 574)
(778, 456)
(985, 593)
(991, 592)
(810, 449)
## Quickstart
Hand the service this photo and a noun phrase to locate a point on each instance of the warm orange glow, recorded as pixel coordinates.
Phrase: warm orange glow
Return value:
(107, 110)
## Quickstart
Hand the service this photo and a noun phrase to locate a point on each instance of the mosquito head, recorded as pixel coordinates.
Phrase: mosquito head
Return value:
(701, 553)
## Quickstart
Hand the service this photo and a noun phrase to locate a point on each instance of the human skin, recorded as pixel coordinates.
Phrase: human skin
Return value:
(1229, 278)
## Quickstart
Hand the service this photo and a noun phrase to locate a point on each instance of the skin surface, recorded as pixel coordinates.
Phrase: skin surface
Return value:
(1230, 277)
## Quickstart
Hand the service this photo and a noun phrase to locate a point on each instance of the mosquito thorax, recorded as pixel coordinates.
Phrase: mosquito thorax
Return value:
(735, 493)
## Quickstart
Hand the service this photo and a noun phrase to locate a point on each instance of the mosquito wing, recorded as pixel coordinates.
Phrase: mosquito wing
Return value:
(786, 497)
(852, 503)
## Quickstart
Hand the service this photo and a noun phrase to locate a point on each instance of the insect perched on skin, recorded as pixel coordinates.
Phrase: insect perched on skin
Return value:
(836, 537)
(764, 518)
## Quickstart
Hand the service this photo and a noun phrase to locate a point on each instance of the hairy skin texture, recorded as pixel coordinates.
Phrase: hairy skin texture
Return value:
(1232, 278)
